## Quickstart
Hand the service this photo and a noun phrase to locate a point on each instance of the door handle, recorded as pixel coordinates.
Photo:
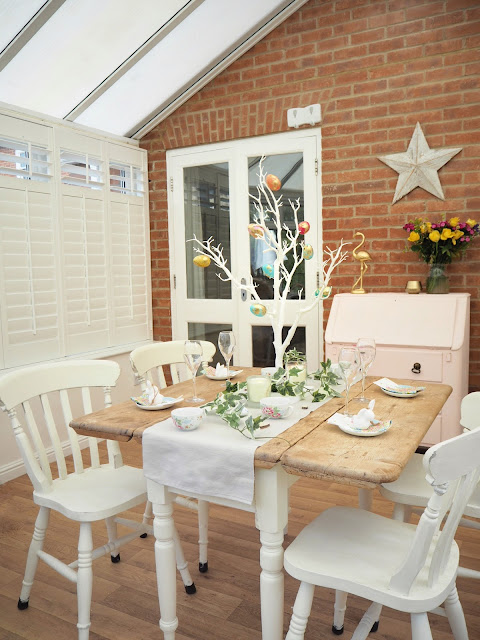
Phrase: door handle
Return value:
(417, 368)
(243, 293)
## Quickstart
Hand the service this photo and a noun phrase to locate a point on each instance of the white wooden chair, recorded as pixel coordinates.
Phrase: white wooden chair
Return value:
(86, 495)
(412, 490)
(147, 364)
(405, 567)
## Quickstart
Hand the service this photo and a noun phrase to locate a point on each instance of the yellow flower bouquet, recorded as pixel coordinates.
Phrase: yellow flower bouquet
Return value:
(439, 243)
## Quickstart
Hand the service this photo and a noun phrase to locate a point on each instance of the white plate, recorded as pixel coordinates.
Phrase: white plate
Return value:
(374, 430)
(167, 402)
(232, 375)
(399, 394)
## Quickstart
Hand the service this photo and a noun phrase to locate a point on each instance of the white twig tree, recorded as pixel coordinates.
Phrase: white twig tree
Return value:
(268, 207)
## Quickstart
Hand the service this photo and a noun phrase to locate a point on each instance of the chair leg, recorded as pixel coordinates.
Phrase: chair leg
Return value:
(455, 615)
(339, 612)
(203, 535)
(368, 622)
(84, 580)
(112, 537)
(182, 564)
(147, 517)
(420, 627)
(301, 612)
(36, 545)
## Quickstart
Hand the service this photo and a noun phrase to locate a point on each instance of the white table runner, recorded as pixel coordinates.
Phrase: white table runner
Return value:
(214, 460)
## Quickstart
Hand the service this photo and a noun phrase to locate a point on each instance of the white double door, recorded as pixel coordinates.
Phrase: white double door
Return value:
(209, 189)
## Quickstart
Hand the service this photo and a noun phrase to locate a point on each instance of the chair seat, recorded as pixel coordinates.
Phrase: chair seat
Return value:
(411, 488)
(358, 552)
(95, 494)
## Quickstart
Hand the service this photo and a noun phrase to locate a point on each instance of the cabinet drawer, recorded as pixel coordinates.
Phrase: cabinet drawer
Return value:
(396, 363)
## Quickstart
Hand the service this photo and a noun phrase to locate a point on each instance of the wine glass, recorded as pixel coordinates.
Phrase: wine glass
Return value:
(367, 349)
(349, 363)
(226, 344)
(193, 354)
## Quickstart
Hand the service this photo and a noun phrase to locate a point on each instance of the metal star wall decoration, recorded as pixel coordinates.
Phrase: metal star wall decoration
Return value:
(418, 166)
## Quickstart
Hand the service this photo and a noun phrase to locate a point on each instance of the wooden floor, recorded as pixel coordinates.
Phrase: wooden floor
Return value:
(226, 605)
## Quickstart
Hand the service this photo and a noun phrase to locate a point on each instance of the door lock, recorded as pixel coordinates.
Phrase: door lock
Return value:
(417, 368)
(243, 294)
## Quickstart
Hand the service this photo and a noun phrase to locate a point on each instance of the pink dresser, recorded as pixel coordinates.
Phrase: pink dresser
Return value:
(419, 337)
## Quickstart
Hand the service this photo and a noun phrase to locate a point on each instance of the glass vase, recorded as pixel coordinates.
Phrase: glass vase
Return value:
(437, 281)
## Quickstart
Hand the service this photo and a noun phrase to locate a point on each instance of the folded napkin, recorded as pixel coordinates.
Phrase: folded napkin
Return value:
(150, 396)
(220, 371)
(364, 419)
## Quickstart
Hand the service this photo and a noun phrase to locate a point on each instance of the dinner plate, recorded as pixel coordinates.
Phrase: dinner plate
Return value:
(232, 374)
(373, 430)
(166, 402)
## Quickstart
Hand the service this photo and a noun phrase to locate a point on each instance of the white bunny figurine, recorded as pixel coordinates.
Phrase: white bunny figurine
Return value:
(365, 417)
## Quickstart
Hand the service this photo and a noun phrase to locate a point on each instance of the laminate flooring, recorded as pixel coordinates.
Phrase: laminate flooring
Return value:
(226, 605)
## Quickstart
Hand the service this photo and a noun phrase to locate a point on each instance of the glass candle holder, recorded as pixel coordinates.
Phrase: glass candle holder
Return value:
(297, 370)
(258, 387)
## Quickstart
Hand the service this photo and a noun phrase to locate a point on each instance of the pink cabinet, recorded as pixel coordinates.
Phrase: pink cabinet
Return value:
(419, 337)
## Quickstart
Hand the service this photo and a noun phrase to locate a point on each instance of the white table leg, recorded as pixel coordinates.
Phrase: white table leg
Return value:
(271, 517)
(165, 565)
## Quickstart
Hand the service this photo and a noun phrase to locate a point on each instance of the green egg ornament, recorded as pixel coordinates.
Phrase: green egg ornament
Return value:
(308, 252)
(202, 261)
(258, 309)
(303, 227)
(268, 270)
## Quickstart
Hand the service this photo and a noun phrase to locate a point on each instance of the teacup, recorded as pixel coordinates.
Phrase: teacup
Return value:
(276, 407)
(269, 371)
(187, 418)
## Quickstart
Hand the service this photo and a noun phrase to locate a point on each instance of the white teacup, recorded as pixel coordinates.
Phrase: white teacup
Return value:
(187, 418)
(276, 407)
(269, 371)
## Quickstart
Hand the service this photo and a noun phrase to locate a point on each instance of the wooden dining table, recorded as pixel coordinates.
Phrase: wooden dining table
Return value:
(311, 448)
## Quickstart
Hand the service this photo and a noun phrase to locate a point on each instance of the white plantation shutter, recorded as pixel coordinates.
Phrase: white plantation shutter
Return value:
(30, 309)
(85, 273)
(130, 271)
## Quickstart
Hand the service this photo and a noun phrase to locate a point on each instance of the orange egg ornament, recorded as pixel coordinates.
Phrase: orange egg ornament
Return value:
(303, 227)
(202, 261)
(255, 230)
(273, 182)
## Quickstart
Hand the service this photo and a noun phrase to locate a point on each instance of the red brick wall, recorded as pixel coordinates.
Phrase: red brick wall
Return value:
(376, 68)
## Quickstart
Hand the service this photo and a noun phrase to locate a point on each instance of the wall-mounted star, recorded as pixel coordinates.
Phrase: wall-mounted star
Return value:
(418, 166)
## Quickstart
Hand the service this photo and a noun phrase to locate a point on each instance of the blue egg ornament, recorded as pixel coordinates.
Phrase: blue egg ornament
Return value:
(268, 270)
(258, 309)
(308, 252)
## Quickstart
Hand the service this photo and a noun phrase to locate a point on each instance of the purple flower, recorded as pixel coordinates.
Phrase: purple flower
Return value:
(442, 224)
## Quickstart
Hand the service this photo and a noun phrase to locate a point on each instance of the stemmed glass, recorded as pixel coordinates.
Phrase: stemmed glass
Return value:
(226, 344)
(367, 349)
(349, 363)
(193, 354)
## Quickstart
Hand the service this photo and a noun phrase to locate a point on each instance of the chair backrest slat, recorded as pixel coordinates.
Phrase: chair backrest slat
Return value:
(72, 436)
(23, 385)
(54, 437)
(453, 469)
(37, 440)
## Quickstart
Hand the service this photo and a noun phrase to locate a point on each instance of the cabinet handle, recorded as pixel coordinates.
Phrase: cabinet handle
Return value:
(417, 367)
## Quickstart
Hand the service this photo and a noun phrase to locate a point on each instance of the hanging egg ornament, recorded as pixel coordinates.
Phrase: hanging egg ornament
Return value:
(303, 227)
(255, 230)
(268, 270)
(272, 182)
(258, 309)
(326, 292)
(202, 261)
(308, 252)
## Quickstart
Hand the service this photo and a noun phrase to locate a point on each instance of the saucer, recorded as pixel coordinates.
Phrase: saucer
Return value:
(165, 404)
(409, 392)
(373, 430)
(231, 375)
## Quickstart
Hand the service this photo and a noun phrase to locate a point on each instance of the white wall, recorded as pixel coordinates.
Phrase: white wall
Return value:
(11, 464)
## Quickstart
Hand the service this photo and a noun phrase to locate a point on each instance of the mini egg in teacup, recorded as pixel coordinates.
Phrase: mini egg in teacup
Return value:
(276, 407)
(187, 418)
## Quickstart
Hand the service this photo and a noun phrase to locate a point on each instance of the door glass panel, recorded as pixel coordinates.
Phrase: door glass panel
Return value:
(288, 168)
(204, 331)
(262, 341)
(207, 214)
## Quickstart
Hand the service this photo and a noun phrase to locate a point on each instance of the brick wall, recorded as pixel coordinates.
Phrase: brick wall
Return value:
(376, 68)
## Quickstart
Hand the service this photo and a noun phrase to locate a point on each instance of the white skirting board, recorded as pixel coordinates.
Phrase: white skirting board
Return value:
(16, 468)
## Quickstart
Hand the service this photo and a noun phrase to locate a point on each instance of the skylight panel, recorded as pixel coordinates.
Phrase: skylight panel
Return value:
(14, 15)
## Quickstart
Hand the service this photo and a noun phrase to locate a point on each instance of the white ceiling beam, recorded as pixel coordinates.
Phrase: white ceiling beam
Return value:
(29, 30)
(133, 59)
(184, 94)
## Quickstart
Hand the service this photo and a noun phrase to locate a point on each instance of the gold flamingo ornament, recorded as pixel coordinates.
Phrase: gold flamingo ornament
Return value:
(363, 257)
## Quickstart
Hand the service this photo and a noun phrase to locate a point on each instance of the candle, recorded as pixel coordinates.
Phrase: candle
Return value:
(258, 387)
(301, 374)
